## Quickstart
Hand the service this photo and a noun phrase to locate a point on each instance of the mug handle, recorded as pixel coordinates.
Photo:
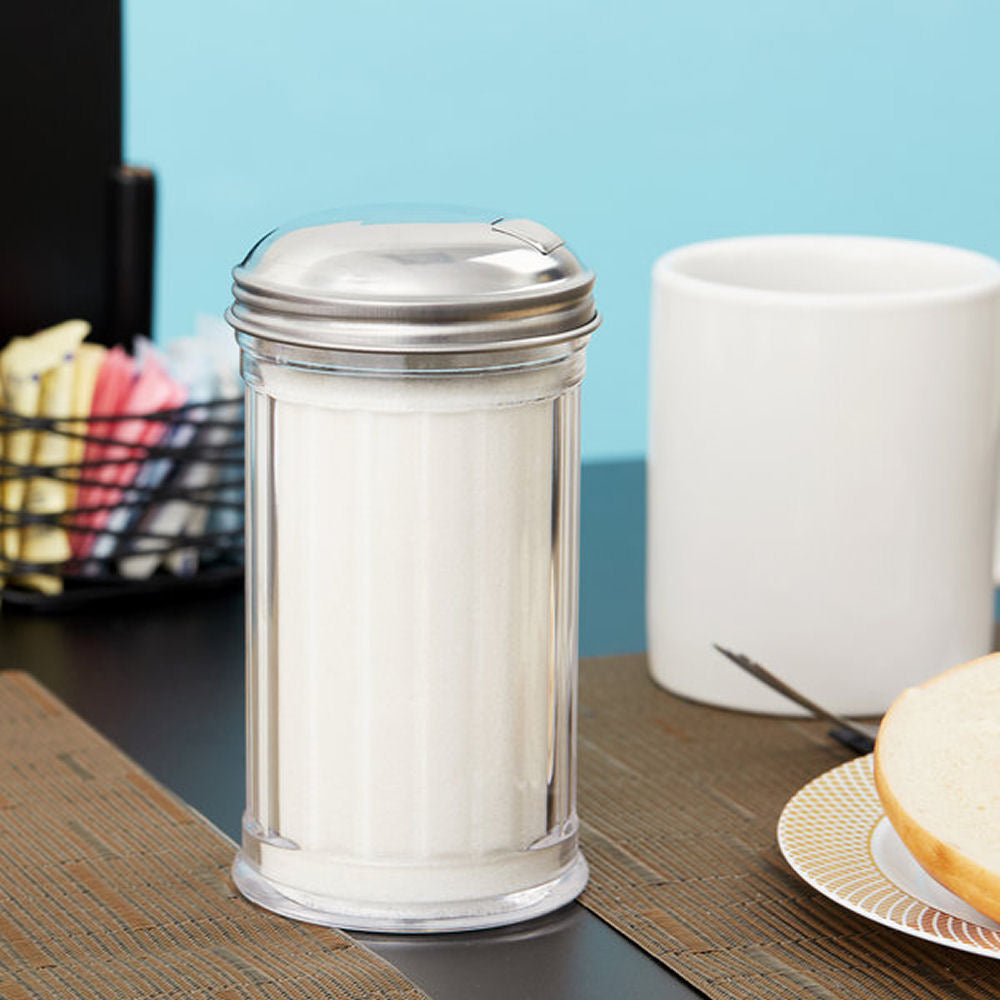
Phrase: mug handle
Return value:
(996, 546)
(996, 449)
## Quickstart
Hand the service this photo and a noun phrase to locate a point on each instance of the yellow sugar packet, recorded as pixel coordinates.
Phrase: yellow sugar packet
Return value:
(44, 543)
(89, 358)
(25, 364)
(21, 393)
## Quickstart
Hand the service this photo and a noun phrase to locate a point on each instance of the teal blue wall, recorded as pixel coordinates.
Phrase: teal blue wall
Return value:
(629, 126)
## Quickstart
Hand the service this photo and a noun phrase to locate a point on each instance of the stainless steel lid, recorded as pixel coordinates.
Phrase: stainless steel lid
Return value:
(413, 281)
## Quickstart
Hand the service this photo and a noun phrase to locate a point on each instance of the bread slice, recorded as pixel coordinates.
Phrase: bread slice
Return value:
(937, 771)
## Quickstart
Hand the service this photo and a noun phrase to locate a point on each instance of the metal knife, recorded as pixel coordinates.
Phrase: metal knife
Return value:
(855, 736)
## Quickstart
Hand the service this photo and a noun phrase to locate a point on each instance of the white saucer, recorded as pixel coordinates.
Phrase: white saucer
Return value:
(835, 835)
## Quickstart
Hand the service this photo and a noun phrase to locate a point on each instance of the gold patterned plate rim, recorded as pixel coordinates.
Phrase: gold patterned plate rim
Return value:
(826, 833)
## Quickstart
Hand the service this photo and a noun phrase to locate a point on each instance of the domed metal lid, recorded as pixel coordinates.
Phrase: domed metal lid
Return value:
(399, 280)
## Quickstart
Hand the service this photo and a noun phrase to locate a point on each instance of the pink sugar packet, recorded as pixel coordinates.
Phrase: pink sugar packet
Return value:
(152, 389)
(114, 382)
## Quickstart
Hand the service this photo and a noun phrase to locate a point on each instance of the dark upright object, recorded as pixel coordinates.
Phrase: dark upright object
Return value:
(60, 74)
(131, 220)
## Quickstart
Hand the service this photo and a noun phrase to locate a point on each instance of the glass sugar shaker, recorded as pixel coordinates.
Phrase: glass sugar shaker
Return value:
(413, 402)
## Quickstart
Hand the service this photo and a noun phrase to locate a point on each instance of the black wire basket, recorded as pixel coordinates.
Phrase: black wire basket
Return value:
(146, 519)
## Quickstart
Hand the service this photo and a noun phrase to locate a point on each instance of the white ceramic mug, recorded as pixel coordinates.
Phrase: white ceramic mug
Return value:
(822, 466)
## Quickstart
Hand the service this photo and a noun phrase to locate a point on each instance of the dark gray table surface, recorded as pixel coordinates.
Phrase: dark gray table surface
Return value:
(165, 682)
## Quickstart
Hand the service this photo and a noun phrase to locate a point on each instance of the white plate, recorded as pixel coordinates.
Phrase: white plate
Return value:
(835, 835)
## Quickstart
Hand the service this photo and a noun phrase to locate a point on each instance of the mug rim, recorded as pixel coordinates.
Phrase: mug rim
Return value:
(676, 266)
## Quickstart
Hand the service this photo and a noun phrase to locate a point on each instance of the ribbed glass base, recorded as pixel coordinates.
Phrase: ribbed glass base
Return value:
(412, 918)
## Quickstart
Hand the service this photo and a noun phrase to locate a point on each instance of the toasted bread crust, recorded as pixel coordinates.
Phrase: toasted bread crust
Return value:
(978, 886)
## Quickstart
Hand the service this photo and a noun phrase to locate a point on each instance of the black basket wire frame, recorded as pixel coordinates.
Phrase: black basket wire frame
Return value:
(214, 439)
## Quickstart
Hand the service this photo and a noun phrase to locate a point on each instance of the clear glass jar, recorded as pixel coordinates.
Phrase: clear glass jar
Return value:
(412, 570)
